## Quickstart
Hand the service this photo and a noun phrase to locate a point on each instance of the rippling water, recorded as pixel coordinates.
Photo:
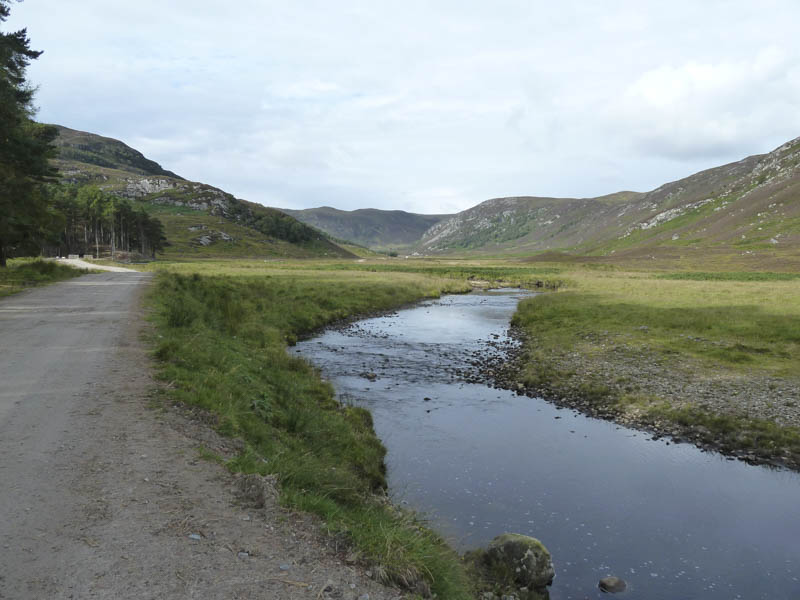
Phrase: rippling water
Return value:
(674, 522)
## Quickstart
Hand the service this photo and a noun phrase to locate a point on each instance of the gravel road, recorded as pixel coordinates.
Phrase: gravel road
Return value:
(103, 493)
(82, 264)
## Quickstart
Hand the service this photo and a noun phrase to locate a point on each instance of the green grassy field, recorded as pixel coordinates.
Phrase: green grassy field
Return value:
(740, 327)
(23, 273)
(221, 338)
(748, 320)
(491, 272)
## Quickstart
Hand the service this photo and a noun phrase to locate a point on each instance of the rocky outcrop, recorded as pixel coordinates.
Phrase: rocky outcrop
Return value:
(137, 188)
(212, 235)
(170, 192)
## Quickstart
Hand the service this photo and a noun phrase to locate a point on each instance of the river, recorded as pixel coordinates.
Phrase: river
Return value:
(673, 521)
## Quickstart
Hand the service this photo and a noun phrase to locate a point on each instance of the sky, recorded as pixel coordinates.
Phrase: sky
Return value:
(425, 106)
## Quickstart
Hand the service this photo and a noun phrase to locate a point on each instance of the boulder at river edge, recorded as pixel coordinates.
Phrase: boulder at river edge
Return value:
(521, 559)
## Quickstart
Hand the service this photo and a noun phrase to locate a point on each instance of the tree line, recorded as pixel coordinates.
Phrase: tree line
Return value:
(90, 219)
(36, 213)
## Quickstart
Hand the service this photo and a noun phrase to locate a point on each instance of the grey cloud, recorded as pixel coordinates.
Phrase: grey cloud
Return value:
(418, 105)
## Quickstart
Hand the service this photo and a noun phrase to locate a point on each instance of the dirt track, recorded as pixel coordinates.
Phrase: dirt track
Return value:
(101, 492)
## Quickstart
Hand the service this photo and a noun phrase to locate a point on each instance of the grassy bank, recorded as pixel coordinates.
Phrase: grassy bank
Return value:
(643, 346)
(221, 335)
(490, 272)
(23, 273)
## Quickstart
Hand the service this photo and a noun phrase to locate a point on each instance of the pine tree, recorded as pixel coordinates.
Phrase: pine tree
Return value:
(25, 150)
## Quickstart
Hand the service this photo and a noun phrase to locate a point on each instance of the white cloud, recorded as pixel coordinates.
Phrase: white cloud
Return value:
(712, 109)
(423, 106)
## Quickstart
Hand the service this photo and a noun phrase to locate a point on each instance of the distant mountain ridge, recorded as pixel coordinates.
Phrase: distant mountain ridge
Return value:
(370, 227)
(743, 207)
(199, 219)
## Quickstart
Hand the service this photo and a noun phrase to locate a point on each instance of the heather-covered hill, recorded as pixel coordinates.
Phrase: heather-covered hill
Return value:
(199, 219)
(744, 207)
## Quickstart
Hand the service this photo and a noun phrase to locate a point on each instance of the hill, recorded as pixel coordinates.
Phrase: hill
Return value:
(87, 148)
(742, 208)
(199, 219)
(370, 227)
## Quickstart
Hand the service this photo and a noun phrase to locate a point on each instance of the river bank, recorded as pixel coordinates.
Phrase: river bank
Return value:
(604, 499)
(221, 336)
(708, 358)
(752, 417)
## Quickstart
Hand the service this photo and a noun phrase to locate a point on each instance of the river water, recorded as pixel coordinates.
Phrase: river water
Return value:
(674, 522)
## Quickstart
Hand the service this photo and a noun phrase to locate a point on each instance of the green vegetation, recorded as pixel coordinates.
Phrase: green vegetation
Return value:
(498, 274)
(22, 273)
(724, 322)
(25, 149)
(221, 335)
(189, 197)
(185, 227)
(372, 228)
(197, 220)
(731, 276)
(759, 436)
(222, 328)
(78, 146)
(734, 326)
(91, 218)
(502, 229)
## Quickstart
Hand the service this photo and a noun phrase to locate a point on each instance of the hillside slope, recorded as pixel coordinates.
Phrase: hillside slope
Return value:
(749, 205)
(87, 148)
(370, 227)
(199, 219)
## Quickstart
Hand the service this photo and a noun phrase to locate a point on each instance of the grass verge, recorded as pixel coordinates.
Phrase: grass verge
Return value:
(221, 341)
(23, 273)
(709, 356)
(727, 324)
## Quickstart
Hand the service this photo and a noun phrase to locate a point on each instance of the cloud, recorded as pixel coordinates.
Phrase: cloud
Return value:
(305, 90)
(703, 109)
(423, 106)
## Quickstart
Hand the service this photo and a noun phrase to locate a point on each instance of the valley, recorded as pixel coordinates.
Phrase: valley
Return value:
(423, 302)
(666, 313)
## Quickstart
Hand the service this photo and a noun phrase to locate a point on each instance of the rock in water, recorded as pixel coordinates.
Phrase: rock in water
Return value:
(612, 585)
(522, 559)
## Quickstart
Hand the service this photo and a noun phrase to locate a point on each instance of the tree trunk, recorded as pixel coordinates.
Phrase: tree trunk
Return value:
(2, 254)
